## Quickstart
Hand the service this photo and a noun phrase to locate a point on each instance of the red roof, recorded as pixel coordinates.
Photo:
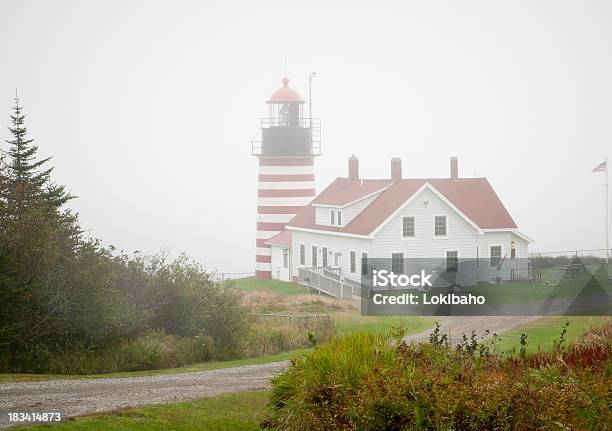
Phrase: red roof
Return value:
(282, 239)
(351, 191)
(474, 197)
(285, 94)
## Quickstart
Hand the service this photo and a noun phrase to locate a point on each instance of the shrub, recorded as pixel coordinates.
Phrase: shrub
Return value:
(370, 382)
(155, 350)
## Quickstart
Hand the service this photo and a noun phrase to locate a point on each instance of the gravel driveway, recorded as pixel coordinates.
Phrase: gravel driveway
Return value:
(78, 397)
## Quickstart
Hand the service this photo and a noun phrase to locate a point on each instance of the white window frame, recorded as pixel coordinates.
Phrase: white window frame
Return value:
(402, 228)
(300, 255)
(367, 255)
(285, 258)
(434, 226)
(337, 261)
(403, 259)
(324, 256)
(477, 257)
(332, 217)
(315, 256)
(339, 218)
(353, 263)
(446, 259)
(501, 253)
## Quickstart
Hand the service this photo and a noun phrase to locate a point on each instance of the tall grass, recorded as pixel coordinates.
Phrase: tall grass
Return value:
(155, 350)
(273, 336)
(158, 350)
(370, 381)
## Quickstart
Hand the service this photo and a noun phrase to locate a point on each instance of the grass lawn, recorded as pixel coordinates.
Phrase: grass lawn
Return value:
(241, 411)
(273, 286)
(541, 333)
(347, 318)
(213, 365)
(351, 322)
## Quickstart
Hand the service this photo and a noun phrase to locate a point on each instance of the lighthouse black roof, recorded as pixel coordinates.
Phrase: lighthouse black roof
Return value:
(285, 94)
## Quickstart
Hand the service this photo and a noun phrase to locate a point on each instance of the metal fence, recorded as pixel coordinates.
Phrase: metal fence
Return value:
(225, 276)
(287, 317)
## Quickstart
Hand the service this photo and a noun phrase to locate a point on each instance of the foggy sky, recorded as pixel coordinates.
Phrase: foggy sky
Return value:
(148, 107)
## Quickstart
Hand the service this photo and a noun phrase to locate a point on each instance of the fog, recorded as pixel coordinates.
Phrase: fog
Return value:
(148, 107)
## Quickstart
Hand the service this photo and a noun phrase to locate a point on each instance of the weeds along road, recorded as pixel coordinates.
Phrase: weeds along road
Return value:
(79, 397)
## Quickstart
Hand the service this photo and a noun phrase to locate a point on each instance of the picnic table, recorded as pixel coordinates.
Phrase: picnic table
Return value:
(573, 270)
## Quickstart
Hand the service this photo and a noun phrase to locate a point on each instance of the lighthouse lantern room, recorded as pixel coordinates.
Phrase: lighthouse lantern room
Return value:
(290, 141)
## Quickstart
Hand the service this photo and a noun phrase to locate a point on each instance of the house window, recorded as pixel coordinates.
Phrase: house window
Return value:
(302, 254)
(408, 227)
(332, 214)
(314, 256)
(364, 263)
(285, 258)
(477, 257)
(495, 255)
(324, 257)
(452, 261)
(513, 251)
(339, 218)
(337, 260)
(440, 226)
(397, 263)
(352, 261)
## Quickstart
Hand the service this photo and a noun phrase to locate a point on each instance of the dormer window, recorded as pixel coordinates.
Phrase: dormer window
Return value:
(335, 218)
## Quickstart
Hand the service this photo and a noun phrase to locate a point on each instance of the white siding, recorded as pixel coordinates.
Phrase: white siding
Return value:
(461, 236)
(334, 244)
(323, 217)
(276, 266)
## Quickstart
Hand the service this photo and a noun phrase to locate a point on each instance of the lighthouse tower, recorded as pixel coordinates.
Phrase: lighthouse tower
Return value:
(289, 143)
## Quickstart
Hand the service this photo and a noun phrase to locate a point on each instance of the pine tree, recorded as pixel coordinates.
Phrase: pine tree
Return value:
(27, 176)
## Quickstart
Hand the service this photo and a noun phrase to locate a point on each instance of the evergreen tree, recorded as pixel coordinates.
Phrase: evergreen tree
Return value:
(27, 175)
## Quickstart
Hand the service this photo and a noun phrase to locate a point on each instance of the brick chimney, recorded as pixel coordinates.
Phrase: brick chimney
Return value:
(396, 169)
(454, 168)
(353, 168)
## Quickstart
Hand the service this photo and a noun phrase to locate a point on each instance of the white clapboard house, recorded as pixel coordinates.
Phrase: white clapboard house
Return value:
(397, 218)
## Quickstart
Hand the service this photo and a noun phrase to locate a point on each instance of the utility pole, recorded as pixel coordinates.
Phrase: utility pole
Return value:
(607, 219)
(603, 167)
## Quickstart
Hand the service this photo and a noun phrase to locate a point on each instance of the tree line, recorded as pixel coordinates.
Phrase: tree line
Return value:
(62, 291)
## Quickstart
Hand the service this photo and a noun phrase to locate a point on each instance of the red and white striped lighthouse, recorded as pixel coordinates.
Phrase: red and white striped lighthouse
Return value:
(289, 143)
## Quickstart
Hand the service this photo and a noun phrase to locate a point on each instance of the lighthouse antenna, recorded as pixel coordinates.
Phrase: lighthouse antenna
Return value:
(310, 76)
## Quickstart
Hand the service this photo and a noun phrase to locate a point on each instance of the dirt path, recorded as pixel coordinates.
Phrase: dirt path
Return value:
(78, 397)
